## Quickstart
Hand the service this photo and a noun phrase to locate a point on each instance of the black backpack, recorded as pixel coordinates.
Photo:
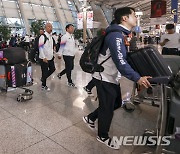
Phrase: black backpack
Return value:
(88, 60)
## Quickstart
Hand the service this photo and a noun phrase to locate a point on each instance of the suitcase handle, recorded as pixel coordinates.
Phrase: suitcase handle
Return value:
(9, 75)
(3, 59)
(160, 80)
(2, 76)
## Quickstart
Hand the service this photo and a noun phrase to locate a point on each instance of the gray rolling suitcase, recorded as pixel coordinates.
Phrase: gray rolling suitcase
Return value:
(148, 62)
(3, 85)
(173, 61)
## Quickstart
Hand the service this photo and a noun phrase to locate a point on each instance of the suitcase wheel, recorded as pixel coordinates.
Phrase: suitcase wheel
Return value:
(30, 83)
(129, 107)
(3, 90)
(136, 102)
(20, 98)
(28, 91)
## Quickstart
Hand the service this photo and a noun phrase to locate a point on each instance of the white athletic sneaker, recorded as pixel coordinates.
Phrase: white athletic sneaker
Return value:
(109, 142)
(89, 123)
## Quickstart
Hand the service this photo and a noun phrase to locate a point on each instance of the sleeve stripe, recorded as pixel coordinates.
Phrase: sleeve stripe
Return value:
(41, 45)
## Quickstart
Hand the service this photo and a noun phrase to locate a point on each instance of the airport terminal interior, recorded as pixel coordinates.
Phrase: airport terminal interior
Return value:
(52, 121)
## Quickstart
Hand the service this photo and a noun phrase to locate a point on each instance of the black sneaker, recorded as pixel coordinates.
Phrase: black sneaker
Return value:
(71, 85)
(45, 88)
(109, 142)
(59, 76)
(89, 123)
(87, 90)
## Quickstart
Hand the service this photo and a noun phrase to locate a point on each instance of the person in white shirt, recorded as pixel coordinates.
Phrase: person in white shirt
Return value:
(67, 49)
(46, 55)
(26, 42)
(170, 41)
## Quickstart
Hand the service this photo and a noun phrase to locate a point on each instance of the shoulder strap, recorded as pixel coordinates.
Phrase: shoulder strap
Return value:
(45, 38)
(110, 55)
(105, 60)
(54, 42)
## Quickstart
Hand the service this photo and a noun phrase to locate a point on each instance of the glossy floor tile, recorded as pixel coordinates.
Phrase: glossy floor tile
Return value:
(16, 135)
(46, 146)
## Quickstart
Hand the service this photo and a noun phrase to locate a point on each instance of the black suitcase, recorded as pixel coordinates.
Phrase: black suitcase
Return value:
(19, 75)
(14, 55)
(148, 62)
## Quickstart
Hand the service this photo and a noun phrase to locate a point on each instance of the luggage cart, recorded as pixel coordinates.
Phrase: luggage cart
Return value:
(173, 62)
(150, 95)
(148, 62)
(163, 119)
(25, 82)
(162, 115)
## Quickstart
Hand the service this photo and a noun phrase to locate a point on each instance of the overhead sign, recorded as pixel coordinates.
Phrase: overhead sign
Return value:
(157, 21)
(178, 28)
(139, 13)
(158, 8)
(174, 9)
(89, 19)
(80, 20)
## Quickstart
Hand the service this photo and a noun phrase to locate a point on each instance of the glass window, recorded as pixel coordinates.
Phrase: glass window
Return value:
(57, 27)
(3, 20)
(73, 10)
(14, 22)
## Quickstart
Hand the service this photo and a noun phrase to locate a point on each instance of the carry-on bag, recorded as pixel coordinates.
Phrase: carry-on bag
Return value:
(13, 55)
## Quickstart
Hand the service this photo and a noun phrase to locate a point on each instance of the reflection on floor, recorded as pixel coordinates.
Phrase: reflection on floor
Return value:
(51, 123)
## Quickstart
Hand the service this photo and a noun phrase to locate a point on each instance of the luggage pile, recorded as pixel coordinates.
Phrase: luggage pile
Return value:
(165, 72)
(15, 70)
